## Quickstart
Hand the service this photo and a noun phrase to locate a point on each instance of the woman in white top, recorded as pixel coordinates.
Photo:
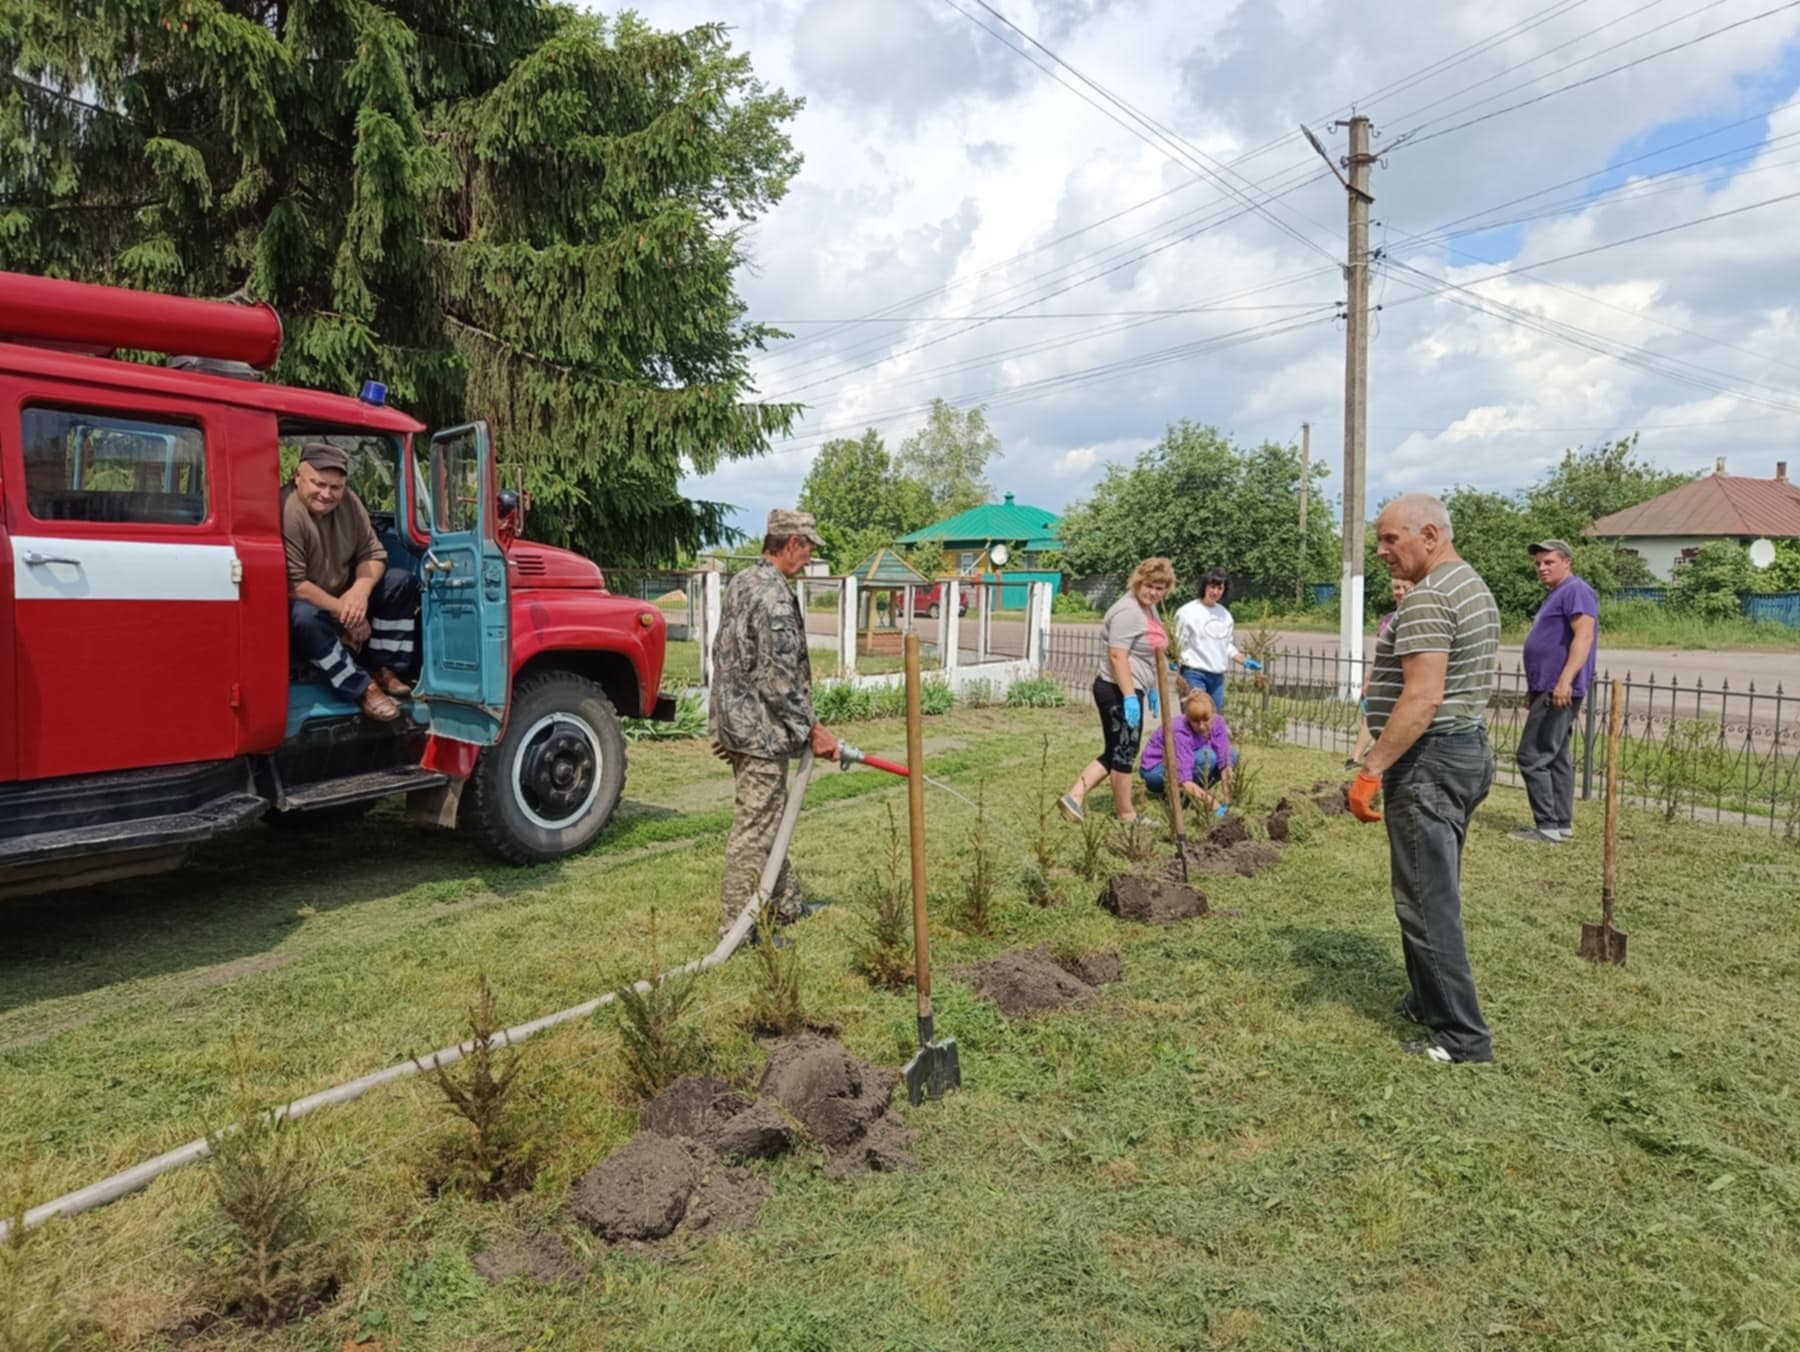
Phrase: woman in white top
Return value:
(1204, 629)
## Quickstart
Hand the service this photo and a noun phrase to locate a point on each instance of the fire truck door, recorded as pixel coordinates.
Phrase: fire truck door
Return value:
(125, 589)
(467, 667)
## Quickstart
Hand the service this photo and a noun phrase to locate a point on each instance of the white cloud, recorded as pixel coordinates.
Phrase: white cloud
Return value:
(935, 158)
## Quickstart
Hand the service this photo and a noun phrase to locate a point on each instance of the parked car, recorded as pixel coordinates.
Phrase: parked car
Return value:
(151, 703)
(930, 600)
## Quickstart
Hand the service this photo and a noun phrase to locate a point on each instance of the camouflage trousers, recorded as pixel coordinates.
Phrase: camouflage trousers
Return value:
(761, 798)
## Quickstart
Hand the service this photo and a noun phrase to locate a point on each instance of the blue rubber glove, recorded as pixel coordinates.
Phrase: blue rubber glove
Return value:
(1155, 706)
(1134, 712)
(1220, 810)
(1251, 664)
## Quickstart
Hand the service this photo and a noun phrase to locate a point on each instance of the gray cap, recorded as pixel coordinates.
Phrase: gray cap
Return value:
(1553, 547)
(784, 521)
(323, 455)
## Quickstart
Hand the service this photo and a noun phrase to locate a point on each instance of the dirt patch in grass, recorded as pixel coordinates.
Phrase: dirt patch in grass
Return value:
(538, 1258)
(1246, 859)
(1029, 981)
(1277, 824)
(46, 1032)
(1332, 799)
(1230, 831)
(842, 1102)
(236, 970)
(676, 1174)
(1156, 901)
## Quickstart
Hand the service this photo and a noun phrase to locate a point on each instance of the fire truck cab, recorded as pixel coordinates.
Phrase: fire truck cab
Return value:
(147, 697)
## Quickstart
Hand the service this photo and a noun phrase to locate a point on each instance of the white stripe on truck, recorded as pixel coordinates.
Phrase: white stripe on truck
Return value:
(55, 568)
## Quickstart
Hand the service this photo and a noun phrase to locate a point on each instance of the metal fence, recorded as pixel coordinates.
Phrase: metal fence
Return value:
(1703, 752)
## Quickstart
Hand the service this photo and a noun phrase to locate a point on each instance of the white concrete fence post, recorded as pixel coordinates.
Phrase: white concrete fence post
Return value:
(710, 600)
(1037, 626)
(847, 628)
(949, 629)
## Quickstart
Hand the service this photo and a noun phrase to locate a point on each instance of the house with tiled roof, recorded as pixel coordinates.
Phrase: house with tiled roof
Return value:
(1668, 530)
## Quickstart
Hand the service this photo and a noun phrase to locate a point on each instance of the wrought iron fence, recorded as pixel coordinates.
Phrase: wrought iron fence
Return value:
(1705, 752)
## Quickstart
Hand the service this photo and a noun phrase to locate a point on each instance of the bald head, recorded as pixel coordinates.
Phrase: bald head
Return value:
(1413, 535)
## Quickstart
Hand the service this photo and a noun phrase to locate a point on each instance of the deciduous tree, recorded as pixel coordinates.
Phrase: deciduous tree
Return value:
(950, 455)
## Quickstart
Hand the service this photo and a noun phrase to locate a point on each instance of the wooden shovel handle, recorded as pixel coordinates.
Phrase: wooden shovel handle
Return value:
(915, 807)
(1170, 777)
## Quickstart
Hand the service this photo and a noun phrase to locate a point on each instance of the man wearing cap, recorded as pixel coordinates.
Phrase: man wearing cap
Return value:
(761, 712)
(1559, 668)
(349, 615)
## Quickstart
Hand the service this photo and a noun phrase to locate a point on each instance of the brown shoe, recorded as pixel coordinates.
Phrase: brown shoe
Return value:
(391, 683)
(378, 706)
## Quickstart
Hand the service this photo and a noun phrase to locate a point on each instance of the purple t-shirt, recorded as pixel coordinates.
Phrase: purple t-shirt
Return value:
(1552, 633)
(1187, 745)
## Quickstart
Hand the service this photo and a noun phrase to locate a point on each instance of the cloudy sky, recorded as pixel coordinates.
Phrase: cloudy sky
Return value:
(968, 226)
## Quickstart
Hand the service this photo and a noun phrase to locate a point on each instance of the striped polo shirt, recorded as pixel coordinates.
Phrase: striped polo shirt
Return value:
(1451, 611)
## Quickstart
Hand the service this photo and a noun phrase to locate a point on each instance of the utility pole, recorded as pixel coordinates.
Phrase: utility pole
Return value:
(1305, 489)
(1356, 399)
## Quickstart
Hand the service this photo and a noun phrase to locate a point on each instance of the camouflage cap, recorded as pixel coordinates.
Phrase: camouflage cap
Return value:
(784, 521)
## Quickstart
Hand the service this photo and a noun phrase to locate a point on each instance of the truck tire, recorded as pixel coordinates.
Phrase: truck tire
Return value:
(932, 610)
(553, 781)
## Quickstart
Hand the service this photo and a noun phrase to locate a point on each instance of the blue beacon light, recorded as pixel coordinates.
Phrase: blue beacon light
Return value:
(373, 392)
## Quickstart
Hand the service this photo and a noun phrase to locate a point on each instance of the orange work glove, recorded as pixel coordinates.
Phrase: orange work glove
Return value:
(1362, 797)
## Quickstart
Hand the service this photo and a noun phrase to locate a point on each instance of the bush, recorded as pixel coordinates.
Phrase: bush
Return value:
(842, 702)
(977, 694)
(1040, 692)
(936, 697)
(1072, 605)
(890, 702)
(1709, 583)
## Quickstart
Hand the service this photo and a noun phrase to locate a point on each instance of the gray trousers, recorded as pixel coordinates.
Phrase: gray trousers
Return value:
(1545, 763)
(1430, 794)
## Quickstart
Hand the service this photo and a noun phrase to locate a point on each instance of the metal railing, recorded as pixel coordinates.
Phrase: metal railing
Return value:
(1705, 752)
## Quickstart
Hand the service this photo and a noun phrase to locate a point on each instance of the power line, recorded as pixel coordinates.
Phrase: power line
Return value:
(1044, 314)
(1415, 141)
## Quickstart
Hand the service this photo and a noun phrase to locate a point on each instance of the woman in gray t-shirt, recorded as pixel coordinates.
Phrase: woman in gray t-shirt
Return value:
(1132, 635)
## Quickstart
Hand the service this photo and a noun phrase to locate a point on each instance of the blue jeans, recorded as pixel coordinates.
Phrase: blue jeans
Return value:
(1429, 795)
(1206, 771)
(1212, 682)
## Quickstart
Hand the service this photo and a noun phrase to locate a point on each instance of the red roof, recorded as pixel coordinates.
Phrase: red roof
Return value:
(1719, 504)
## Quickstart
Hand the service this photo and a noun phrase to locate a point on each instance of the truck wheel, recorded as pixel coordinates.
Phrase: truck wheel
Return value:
(555, 778)
(932, 610)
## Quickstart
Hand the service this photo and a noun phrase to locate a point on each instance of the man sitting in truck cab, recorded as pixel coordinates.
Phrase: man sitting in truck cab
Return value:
(350, 615)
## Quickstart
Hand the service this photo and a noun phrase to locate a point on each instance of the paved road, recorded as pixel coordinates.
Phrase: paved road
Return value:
(1766, 669)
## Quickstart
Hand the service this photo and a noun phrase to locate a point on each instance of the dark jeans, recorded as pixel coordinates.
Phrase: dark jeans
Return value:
(314, 637)
(1206, 771)
(1430, 794)
(1545, 762)
(1212, 682)
(1119, 740)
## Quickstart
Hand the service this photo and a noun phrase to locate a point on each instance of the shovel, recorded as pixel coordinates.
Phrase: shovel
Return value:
(1170, 777)
(1603, 943)
(934, 1070)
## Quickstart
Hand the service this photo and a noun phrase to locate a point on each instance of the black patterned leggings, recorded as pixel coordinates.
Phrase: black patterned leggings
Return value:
(1121, 739)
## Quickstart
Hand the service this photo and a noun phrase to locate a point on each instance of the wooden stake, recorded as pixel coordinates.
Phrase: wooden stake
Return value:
(915, 806)
(1603, 943)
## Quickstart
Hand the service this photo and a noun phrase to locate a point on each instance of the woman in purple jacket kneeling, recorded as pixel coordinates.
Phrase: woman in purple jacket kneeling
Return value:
(1203, 755)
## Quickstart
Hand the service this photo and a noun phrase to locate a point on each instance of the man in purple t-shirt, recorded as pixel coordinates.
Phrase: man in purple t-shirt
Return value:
(1559, 668)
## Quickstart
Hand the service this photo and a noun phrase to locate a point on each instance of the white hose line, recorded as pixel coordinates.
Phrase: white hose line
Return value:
(142, 1175)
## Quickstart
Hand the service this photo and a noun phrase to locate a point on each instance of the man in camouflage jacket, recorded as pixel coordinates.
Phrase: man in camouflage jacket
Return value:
(762, 712)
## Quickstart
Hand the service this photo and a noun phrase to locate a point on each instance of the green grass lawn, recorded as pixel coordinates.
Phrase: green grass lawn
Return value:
(1226, 1150)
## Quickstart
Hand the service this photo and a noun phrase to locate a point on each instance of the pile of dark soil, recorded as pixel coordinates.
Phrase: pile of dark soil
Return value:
(1157, 901)
(678, 1173)
(1246, 859)
(538, 1258)
(1333, 799)
(1027, 981)
(1277, 821)
(1230, 831)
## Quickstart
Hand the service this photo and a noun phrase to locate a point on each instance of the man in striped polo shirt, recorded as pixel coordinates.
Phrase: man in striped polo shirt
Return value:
(1433, 674)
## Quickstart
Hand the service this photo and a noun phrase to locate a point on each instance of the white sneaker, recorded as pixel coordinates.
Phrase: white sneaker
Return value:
(1532, 833)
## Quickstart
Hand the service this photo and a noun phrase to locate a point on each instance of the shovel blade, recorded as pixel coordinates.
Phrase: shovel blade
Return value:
(933, 1071)
(1602, 943)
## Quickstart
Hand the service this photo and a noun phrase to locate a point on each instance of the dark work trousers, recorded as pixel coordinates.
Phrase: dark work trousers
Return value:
(1545, 762)
(1430, 794)
(314, 637)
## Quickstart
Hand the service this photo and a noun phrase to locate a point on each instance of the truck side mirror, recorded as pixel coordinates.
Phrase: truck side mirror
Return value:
(507, 503)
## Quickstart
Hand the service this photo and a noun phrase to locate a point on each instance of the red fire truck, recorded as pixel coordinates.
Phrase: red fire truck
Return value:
(147, 699)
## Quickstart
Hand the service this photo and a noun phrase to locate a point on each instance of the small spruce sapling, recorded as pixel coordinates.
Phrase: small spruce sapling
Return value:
(32, 1318)
(657, 1047)
(480, 1087)
(775, 1009)
(1092, 866)
(884, 954)
(979, 885)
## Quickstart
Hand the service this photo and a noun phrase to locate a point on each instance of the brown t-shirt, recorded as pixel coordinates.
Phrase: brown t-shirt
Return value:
(325, 550)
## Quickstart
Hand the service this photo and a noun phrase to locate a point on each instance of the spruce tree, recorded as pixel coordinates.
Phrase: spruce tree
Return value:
(502, 208)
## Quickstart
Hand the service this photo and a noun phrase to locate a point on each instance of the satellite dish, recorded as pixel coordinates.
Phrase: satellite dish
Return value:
(999, 554)
(1762, 553)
